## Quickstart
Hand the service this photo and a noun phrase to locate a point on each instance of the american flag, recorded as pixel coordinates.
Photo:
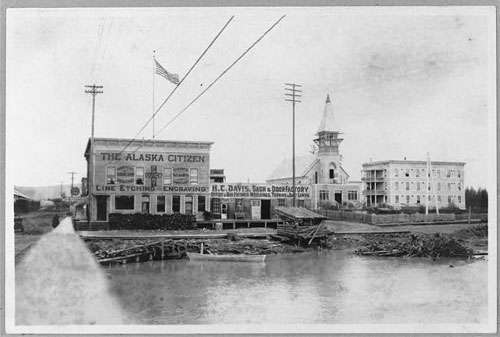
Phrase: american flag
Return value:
(174, 78)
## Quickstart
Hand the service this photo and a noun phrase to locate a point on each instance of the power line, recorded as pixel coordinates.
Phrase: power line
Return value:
(222, 74)
(182, 80)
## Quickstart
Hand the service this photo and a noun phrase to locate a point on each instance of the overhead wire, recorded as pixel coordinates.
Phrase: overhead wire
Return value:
(177, 86)
(105, 48)
(97, 47)
(217, 79)
(112, 54)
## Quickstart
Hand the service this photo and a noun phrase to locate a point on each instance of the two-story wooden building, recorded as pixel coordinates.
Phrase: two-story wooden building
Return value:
(148, 176)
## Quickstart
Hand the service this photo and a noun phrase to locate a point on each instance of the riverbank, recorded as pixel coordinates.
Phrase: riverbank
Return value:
(346, 236)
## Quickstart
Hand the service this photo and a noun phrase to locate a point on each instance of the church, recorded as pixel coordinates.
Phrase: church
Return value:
(322, 170)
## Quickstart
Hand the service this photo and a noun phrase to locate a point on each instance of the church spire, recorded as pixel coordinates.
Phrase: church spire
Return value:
(328, 121)
(327, 137)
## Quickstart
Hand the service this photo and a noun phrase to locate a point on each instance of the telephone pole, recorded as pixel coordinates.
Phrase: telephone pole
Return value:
(72, 177)
(93, 90)
(292, 94)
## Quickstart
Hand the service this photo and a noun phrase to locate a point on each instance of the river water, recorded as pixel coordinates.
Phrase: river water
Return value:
(325, 287)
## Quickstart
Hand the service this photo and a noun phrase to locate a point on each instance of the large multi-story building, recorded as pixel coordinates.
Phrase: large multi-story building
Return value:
(321, 171)
(408, 183)
(129, 176)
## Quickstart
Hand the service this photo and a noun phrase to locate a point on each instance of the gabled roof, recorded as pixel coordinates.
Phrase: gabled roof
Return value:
(328, 121)
(302, 165)
(20, 195)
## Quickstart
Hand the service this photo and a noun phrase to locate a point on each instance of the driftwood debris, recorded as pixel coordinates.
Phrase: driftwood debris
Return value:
(422, 245)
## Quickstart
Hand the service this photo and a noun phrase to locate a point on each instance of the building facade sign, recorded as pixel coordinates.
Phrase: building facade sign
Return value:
(258, 191)
(181, 175)
(151, 157)
(146, 188)
(125, 174)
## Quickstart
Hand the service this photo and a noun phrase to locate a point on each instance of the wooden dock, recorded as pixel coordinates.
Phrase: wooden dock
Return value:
(140, 235)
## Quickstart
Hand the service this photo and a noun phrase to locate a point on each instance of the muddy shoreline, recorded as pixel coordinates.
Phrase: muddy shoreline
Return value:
(461, 244)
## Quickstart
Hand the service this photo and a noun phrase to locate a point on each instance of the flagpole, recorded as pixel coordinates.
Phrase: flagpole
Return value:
(154, 67)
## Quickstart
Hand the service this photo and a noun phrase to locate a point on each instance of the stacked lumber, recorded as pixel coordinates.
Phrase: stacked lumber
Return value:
(302, 232)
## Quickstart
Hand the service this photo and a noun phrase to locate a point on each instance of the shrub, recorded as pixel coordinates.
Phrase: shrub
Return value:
(135, 221)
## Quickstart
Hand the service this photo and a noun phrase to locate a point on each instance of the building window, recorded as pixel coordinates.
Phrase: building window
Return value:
(239, 205)
(448, 174)
(396, 172)
(188, 205)
(124, 202)
(418, 199)
(407, 186)
(459, 199)
(449, 186)
(315, 177)
(459, 173)
(352, 195)
(281, 202)
(459, 186)
(323, 195)
(201, 203)
(439, 198)
(418, 186)
(216, 205)
(331, 174)
(167, 176)
(176, 204)
(408, 199)
(417, 174)
(396, 186)
(300, 203)
(139, 175)
(193, 176)
(397, 199)
(439, 186)
(111, 175)
(407, 174)
(160, 204)
(449, 199)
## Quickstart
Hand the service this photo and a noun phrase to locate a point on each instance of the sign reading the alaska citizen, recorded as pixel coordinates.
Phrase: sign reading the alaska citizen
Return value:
(152, 157)
(258, 191)
(181, 175)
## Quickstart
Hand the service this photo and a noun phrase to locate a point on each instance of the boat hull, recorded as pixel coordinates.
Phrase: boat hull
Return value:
(227, 257)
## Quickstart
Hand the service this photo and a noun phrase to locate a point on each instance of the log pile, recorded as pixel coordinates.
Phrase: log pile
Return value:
(135, 221)
(422, 245)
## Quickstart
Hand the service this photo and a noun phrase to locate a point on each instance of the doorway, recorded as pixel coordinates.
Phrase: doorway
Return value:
(102, 208)
(265, 209)
(338, 197)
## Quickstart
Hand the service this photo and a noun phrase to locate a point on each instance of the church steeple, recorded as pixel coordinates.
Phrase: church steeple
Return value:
(328, 132)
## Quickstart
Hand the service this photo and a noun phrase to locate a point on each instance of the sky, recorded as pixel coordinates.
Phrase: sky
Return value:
(403, 81)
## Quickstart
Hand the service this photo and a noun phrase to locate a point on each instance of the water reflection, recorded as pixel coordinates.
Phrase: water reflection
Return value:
(324, 287)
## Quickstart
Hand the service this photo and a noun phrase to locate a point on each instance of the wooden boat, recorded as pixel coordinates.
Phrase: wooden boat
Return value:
(227, 257)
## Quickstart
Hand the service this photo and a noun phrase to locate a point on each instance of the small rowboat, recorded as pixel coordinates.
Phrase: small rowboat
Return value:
(227, 257)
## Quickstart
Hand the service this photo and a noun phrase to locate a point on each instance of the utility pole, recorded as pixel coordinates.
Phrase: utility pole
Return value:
(93, 90)
(292, 94)
(72, 178)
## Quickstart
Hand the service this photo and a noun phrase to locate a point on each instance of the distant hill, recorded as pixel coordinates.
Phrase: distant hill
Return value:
(44, 192)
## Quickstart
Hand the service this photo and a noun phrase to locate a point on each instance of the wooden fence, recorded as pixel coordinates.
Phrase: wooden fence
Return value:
(396, 218)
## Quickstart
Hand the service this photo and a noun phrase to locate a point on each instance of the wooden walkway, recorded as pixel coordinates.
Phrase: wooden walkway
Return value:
(141, 235)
